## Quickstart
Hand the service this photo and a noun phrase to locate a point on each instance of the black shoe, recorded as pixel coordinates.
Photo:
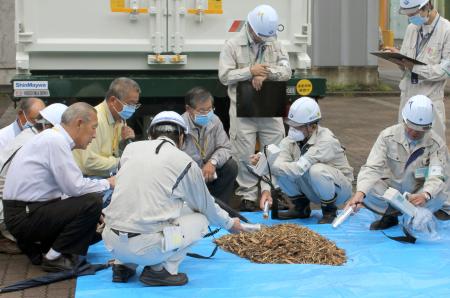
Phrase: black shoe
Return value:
(249, 206)
(384, 223)
(162, 278)
(285, 203)
(300, 209)
(328, 213)
(122, 273)
(63, 263)
(442, 215)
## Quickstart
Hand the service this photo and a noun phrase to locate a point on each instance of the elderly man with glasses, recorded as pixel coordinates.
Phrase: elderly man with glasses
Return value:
(208, 144)
(101, 157)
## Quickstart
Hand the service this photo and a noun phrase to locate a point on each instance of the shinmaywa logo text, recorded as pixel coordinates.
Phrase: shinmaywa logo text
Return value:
(31, 85)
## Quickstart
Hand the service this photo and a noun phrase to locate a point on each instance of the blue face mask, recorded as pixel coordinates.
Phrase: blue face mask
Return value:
(127, 112)
(203, 120)
(27, 123)
(418, 20)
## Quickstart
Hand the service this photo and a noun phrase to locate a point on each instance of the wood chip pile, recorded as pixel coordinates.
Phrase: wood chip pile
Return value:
(284, 244)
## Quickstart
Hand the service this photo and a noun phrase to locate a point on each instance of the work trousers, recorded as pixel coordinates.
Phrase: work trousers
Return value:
(67, 226)
(147, 249)
(243, 135)
(321, 184)
(222, 188)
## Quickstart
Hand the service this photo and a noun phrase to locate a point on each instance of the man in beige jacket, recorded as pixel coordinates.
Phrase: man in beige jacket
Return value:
(410, 158)
(427, 39)
(312, 165)
(253, 55)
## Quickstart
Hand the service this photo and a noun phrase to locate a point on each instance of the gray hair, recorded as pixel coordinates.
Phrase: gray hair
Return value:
(25, 104)
(121, 87)
(78, 110)
(197, 95)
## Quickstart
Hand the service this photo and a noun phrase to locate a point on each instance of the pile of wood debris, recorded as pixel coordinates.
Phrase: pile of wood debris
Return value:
(284, 244)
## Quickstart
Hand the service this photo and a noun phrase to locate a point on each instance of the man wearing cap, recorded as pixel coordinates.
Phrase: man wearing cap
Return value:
(408, 157)
(160, 206)
(253, 55)
(427, 39)
(49, 207)
(208, 144)
(48, 117)
(26, 116)
(312, 165)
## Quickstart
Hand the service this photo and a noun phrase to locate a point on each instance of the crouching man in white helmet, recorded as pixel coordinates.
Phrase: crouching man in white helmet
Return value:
(312, 165)
(399, 158)
(150, 219)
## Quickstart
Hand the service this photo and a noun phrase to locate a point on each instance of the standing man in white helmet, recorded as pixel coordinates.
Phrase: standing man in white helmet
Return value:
(399, 155)
(427, 39)
(150, 220)
(312, 165)
(253, 55)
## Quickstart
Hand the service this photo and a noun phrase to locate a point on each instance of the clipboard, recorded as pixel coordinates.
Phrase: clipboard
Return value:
(389, 55)
(270, 101)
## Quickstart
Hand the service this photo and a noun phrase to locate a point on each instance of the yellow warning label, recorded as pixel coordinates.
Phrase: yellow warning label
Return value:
(119, 6)
(116, 4)
(304, 87)
(215, 4)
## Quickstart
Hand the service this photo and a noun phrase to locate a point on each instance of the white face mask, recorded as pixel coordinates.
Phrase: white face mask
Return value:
(295, 135)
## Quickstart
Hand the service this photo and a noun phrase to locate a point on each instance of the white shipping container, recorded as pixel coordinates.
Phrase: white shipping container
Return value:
(144, 34)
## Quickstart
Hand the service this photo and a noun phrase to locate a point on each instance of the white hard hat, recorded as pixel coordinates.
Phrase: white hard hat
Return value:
(418, 113)
(53, 113)
(170, 117)
(263, 20)
(411, 6)
(304, 110)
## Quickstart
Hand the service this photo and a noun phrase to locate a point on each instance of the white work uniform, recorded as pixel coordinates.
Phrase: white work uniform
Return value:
(432, 77)
(151, 191)
(319, 169)
(44, 169)
(6, 156)
(8, 133)
(385, 167)
(236, 58)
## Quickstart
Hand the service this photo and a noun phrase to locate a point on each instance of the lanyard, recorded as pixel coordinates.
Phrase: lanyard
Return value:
(259, 54)
(424, 40)
(115, 140)
(199, 147)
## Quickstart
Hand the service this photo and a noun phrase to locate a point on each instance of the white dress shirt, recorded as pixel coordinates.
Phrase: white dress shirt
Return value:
(8, 133)
(5, 154)
(44, 169)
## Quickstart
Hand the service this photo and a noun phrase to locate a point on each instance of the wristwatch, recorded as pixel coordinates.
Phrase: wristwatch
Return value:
(427, 196)
(213, 162)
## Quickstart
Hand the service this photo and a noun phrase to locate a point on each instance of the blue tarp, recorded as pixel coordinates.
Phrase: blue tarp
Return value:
(376, 267)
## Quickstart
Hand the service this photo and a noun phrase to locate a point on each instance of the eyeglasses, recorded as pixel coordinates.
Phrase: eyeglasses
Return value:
(136, 106)
(203, 111)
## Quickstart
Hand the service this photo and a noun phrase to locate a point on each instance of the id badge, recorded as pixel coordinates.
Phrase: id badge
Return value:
(414, 78)
(421, 173)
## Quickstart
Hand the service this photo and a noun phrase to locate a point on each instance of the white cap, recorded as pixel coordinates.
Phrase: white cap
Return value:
(263, 20)
(170, 117)
(53, 113)
(304, 110)
(418, 113)
(411, 6)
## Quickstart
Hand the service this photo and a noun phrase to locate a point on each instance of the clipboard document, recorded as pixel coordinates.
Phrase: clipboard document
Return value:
(390, 56)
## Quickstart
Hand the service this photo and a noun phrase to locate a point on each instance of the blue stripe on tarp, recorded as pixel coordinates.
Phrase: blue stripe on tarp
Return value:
(376, 267)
